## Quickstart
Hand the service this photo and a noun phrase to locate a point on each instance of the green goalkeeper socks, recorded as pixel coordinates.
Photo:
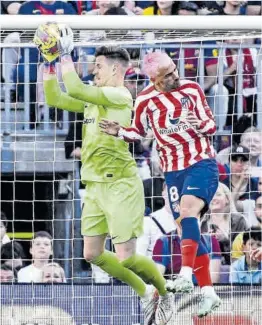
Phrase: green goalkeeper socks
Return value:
(147, 270)
(108, 262)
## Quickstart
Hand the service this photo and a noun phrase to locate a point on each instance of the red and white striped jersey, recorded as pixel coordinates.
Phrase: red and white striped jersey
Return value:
(180, 144)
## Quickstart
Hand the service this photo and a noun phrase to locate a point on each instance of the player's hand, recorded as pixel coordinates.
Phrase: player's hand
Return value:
(257, 254)
(193, 120)
(109, 127)
(76, 153)
(66, 40)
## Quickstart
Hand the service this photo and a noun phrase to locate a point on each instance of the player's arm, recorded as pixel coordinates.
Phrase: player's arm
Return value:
(202, 118)
(136, 132)
(106, 96)
(53, 94)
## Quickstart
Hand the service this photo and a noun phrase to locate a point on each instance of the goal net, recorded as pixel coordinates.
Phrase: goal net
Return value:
(40, 182)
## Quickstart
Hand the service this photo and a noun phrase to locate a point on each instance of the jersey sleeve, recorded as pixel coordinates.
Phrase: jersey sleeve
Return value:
(139, 126)
(118, 97)
(203, 112)
(55, 97)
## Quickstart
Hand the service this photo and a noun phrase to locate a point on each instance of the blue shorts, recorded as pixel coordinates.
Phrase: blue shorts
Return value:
(200, 180)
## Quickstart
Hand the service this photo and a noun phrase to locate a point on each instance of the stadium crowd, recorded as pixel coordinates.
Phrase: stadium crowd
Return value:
(232, 228)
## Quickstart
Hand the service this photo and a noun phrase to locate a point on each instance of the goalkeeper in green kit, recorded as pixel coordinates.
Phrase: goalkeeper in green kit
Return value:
(114, 199)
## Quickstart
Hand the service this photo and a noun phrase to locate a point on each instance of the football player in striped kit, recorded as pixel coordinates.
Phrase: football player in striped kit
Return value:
(182, 122)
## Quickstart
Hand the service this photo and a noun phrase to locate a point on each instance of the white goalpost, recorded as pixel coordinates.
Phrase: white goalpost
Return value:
(41, 186)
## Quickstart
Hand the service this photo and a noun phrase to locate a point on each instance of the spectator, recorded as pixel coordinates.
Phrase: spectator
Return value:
(237, 176)
(104, 5)
(251, 139)
(156, 224)
(41, 251)
(247, 270)
(167, 254)
(7, 274)
(231, 8)
(10, 7)
(3, 228)
(229, 91)
(53, 273)
(144, 4)
(256, 254)
(223, 221)
(12, 254)
(187, 8)
(46, 8)
(249, 207)
(135, 81)
(162, 8)
(254, 8)
(115, 11)
(81, 7)
(256, 218)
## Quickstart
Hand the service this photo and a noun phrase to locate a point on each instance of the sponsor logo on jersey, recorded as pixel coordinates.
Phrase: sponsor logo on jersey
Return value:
(89, 120)
(174, 129)
(173, 121)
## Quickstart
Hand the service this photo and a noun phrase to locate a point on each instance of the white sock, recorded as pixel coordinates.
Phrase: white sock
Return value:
(187, 272)
(208, 290)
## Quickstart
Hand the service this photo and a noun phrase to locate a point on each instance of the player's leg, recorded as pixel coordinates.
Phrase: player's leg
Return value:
(158, 309)
(94, 229)
(125, 214)
(95, 253)
(198, 191)
(175, 182)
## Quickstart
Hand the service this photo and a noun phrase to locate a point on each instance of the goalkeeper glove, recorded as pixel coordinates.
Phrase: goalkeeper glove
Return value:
(66, 41)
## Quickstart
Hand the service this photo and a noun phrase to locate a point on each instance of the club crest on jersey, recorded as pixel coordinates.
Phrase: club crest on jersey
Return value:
(185, 102)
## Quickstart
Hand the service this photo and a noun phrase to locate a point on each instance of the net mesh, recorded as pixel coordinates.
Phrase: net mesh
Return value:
(89, 38)
(40, 183)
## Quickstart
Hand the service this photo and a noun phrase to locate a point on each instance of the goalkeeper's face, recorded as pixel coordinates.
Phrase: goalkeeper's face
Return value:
(106, 72)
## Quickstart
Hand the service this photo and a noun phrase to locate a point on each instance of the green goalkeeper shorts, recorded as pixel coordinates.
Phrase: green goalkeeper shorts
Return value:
(115, 208)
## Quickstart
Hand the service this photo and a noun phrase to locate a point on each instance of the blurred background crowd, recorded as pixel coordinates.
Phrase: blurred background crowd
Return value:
(130, 7)
(41, 195)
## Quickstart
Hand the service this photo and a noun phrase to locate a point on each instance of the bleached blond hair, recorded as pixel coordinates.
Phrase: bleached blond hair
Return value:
(57, 266)
(154, 62)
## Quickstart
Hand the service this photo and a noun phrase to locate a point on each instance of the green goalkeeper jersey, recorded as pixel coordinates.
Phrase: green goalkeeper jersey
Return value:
(104, 158)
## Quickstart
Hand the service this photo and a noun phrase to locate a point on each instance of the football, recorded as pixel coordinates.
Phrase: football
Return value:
(46, 39)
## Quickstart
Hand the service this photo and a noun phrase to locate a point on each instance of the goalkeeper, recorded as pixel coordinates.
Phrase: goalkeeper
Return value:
(114, 200)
